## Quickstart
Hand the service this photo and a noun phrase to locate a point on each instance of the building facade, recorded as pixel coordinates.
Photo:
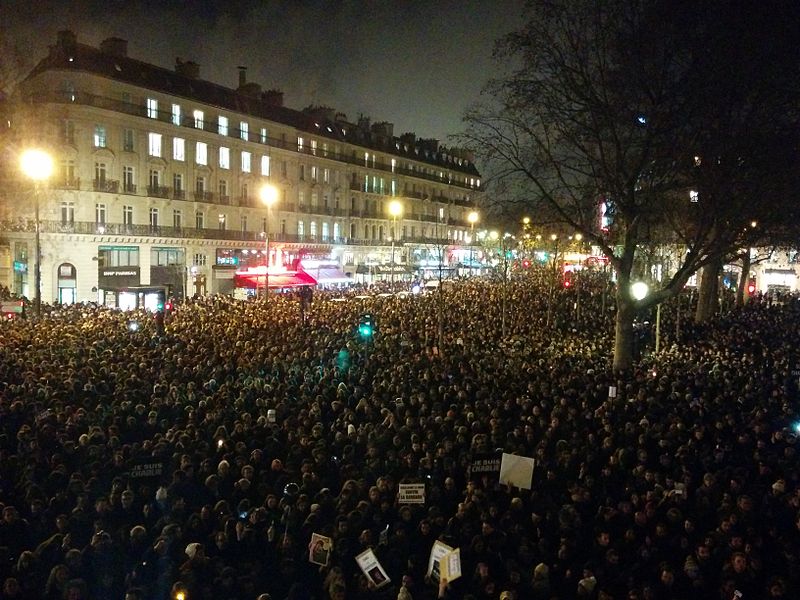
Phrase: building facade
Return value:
(158, 178)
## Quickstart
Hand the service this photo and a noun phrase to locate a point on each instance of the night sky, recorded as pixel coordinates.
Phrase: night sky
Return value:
(417, 64)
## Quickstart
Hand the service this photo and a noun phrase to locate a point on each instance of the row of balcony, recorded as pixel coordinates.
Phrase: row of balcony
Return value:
(212, 126)
(93, 228)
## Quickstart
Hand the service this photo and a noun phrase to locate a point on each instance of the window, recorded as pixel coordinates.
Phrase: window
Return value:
(127, 215)
(155, 178)
(68, 131)
(179, 149)
(301, 198)
(244, 130)
(199, 119)
(127, 140)
(177, 182)
(394, 188)
(223, 190)
(120, 256)
(152, 108)
(100, 172)
(167, 257)
(265, 166)
(300, 144)
(222, 125)
(324, 148)
(245, 193)
(394, 164)
(100, 214)
(302, 172)
(67, 213)
(264, 136)
(177, 219)
(199, 220)
(224, 158)
(221, 220)
(283, 168)
(314, 173)
(128, 184)
(153, 218)
(243, 223)
(325, 231)
(176, 114)
(312, 229)
(99, 136)
(300, 228)
(314, 147)
(201, 153)
(154, 144)
(200, 185)
(337, 233)
(326, 175)
(199, 260)
(246, 156)
(68, 172)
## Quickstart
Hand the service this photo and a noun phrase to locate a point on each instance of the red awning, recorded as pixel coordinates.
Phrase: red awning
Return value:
(255, 279)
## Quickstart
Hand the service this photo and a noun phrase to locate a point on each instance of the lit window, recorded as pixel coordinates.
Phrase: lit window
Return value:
(265, 166)
(224, 158)
(244, 130)
(152, 108)
(179, 149)
(154, 144)
(325, 230)
(199, 119)
(314, 147)
(264, 136)
(99, 136)
(312, 229)
(223, 125)
(246, 156)
(176, 114)
(394, 164)
(313, 173)
(300, 228)
(300, 144)
(201, 153)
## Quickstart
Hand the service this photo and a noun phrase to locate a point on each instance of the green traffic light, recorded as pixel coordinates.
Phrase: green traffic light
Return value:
(365, 331)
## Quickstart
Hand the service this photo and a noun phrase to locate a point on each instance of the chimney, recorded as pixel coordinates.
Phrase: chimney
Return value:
(115, 47)
(188, 69)
(242, 76)
(66, 39)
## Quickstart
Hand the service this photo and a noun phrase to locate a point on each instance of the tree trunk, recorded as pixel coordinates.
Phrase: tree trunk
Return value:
(742, 295)
(708, 294)
(623, 335)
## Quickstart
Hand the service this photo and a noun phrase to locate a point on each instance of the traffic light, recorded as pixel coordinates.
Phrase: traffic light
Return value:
(751, 287)
(366, 326)
(526, 263)
(568, 279)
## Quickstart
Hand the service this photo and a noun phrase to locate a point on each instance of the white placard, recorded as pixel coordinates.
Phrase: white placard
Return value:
(372, 569)
(517, 470)
(411, 493)
(438, 552)
(612, 391)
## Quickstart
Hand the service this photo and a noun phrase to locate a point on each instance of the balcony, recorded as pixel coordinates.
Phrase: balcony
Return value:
(128, 187)
(178, 194)
(226, 200)
(106, 185)
(68, 183)
(158, 191)
(200, 196)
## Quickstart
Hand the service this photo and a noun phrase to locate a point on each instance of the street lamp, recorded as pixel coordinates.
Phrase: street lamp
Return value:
(472, 218)
(395, 210)
(269, 195)
(639, 291)
(37, 165)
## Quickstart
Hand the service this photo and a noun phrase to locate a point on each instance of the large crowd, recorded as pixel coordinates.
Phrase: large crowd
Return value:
(197, 463)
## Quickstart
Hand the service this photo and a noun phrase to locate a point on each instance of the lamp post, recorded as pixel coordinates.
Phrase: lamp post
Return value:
(269, 195)
(37, 165)
(639, 291)
(472, 218)
(395, 210)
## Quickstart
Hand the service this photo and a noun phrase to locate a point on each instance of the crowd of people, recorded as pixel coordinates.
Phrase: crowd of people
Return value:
(198, 463)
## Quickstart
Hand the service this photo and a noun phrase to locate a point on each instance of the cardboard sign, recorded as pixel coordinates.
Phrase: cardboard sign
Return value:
(517, 470)
(411, 493)
(372, 569)
(450, 566)
(438, 552)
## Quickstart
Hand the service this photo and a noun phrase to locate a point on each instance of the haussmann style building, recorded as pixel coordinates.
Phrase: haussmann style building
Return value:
(159, 182)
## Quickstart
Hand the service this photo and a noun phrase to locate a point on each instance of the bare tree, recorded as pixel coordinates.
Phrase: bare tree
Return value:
(607, 109)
